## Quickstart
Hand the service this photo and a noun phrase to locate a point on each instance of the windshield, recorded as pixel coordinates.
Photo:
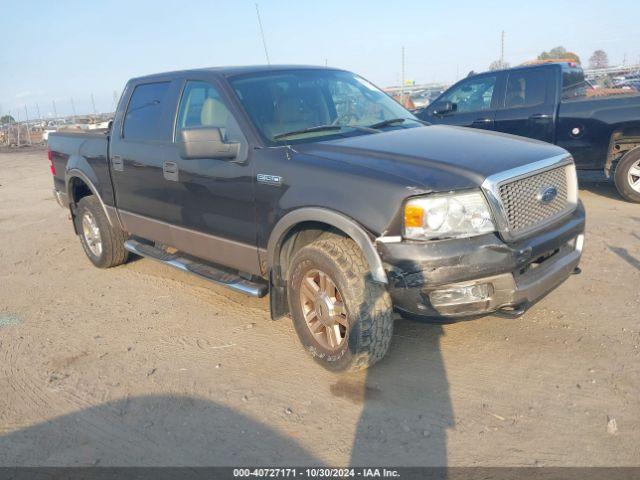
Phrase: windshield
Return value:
(301, 105)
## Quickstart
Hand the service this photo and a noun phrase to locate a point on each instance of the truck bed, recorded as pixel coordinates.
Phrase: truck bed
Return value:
(73, 149)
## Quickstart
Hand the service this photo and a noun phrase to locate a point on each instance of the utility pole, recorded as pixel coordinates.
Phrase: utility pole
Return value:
(502, 51)
(73, 109)
(264, 42)
(26, 115)
(18, 122)
(402, 79)
(55, 112)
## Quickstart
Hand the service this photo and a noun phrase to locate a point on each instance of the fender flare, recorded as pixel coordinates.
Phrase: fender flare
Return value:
(335, 219)
(76, 173)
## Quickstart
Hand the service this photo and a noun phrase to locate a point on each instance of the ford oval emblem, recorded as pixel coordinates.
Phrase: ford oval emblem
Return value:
(547, 194)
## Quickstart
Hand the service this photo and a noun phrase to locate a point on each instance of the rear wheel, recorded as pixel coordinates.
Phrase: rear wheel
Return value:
(102, 242)
(627, 176)
(342, 317)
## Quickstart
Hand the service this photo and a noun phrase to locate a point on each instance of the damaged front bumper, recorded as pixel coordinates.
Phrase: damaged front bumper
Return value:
(480, 275)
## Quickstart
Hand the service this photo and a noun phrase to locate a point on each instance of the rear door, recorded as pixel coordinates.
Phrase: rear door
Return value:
(473, 100)
(141, 142)
(529, 104)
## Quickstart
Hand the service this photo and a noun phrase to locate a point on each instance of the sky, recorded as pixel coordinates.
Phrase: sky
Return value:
(62, 50)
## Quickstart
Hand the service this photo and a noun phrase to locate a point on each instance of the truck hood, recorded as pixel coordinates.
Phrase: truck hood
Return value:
(437, 157)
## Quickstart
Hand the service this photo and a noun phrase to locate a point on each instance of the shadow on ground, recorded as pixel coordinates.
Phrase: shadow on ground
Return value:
(406, 411)
(406, 406)
(596, 183)
(624, 254)
(152, 431)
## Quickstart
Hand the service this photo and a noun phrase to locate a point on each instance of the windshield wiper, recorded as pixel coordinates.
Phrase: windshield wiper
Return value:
(317, 128)
(385, 123)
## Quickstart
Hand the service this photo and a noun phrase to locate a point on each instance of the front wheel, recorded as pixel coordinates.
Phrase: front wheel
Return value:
(342, 317)
(102, 242)
(627, 176)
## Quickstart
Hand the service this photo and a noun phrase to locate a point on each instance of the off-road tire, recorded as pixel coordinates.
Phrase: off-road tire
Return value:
(113, 251)
(368, 304)
(621, 176)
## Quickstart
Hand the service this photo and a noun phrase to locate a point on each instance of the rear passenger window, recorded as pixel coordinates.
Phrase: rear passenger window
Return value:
(526, 88)
(143, 120)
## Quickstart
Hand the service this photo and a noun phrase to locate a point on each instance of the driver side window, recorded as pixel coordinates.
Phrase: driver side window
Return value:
(473, 95)
(202, 106)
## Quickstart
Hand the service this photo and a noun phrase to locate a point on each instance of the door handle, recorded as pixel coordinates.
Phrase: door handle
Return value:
(170, 171)
(482, 121)
(118, 164)
(540, 116)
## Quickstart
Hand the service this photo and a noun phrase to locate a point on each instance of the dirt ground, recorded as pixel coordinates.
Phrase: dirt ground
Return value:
(145, 365)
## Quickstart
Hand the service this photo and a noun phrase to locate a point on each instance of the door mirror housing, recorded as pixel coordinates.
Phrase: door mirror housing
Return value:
(443, 107)
(206, 142)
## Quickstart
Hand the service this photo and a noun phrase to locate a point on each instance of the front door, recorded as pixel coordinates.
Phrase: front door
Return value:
(472, 100)
(212, 200)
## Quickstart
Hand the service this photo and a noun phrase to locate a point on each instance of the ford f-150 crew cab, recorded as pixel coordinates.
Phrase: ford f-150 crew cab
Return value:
(554, 103)
(313, 186)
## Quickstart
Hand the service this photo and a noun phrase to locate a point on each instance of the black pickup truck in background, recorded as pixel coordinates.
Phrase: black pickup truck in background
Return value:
(552, 102)
(313, 186)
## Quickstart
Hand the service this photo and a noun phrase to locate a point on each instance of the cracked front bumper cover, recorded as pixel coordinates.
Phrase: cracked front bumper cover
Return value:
(518, 274)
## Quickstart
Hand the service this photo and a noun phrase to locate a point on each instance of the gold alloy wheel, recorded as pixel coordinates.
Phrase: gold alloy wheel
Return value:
(323, 309)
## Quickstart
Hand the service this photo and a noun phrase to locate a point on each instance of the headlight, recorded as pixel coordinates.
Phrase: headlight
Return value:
(451, 215)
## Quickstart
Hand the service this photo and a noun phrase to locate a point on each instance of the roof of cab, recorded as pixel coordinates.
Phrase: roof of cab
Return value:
(230, 71)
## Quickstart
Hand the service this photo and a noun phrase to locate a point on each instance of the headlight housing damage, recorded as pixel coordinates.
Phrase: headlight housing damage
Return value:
(452, 215)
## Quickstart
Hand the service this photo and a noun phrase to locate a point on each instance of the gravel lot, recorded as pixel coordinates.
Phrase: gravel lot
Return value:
(144, 365)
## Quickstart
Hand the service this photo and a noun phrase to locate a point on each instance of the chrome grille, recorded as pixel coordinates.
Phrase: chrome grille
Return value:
(521, 204)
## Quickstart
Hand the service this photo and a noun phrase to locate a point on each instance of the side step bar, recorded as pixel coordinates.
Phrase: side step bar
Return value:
(203, 270)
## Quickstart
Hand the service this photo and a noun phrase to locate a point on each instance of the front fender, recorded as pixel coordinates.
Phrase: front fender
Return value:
(346, 224)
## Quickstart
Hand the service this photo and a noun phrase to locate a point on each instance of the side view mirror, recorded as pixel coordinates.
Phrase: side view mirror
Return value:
(205, 142)
(443, 107)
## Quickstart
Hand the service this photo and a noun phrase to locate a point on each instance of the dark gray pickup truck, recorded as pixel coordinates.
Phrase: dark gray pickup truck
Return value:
(313, 186)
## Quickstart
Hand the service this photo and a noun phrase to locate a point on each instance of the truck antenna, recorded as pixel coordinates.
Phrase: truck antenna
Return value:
(502, 51)
(264, 42)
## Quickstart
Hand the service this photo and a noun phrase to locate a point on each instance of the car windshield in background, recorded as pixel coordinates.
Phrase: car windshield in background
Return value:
(300, 105)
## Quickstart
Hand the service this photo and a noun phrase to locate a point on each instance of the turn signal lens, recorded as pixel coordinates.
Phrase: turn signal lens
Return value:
(413, 215)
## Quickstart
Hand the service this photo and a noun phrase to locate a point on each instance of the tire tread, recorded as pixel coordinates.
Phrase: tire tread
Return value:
(376, 311)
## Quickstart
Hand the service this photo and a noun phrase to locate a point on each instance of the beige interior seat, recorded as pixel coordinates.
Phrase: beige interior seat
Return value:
(298, 110)
(214, 114)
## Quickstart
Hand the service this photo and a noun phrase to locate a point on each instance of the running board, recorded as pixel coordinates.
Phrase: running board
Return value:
(200, 269)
